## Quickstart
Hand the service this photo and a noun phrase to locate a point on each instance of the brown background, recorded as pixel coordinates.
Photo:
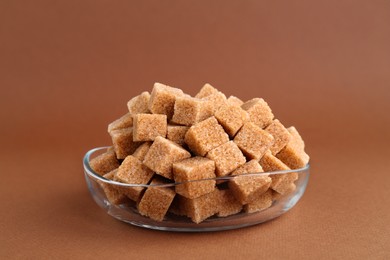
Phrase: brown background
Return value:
(67, 69)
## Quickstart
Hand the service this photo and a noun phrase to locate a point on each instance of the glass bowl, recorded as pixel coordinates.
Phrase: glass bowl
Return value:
(128, 212)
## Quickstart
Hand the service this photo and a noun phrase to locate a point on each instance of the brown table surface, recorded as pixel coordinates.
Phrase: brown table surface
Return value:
(67, 69)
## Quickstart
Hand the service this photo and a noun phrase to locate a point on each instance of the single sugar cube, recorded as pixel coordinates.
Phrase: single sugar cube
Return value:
(290, 189)
(176, 133)
(189, 110)
(132, 171)
(139, 104)
(247, 188)
(148, 126)
(232, 118)
(215, 101)
(206, 90)
(142, 150)
(113, 194)
(205, 136)
(123, 122)
(227, 158)
(233, 100)
(280, 134)
(156, 201)
(280, 182)
(105, 162)
(228, 204)
(259, 112)
(122, 140)
(162, 99)
(253, 141)
(264, 201)
(189, 171)
(293, 154)
(162, 154)
(202, 207)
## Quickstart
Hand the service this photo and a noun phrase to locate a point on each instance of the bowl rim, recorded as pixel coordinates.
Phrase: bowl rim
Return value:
(91, 173)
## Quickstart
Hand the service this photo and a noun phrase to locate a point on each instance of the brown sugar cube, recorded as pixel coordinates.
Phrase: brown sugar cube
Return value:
(280, 134)
(298, 141)
(132, 171)
(104, 163)
(189, 110)
(190, 170)
(113, 194)
(232, 100)
(162, 154)
(148, 126)
(122, 140)
(202, 207)
(205, 136)
(232, 118)
(293, 154)
(277, 196)
(228, 204)
(215, 101)
(247, 188)
(139, 104)
(259, 112)
(280, 182)
(142, 150)
(176, 133)
(156, 201)
(253, 141)
(227, 158)
(206, 90)
(263, 202)
(123, 122)
(162, 99)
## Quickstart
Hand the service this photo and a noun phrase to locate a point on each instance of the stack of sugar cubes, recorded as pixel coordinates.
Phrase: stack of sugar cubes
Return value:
(170, 137)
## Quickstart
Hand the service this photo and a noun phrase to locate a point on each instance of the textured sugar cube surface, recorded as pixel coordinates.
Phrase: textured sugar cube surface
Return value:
(162, 154)
(156, 201)
(205, 135)
(206, 90)
(139, 104)
(247, 188)
(189, 110)
(280, 134)
(148, 126)
(215, 101)
(132, 171)
(176, 133)
(253, 141)
(280, 182)
(293, 154)
(202, 207)
(262, 202)
(142, 150)
(190, 170)
(113, 194)
(259, 112)
(232, 118)
(123, 122)
(122, 140)
(233, 100)
(104, 163)
(162, 99)
(289, 191)
(227, 158)
(228, 204)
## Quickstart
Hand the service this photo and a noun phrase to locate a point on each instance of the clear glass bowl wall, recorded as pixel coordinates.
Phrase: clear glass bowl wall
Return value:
(128, 213)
